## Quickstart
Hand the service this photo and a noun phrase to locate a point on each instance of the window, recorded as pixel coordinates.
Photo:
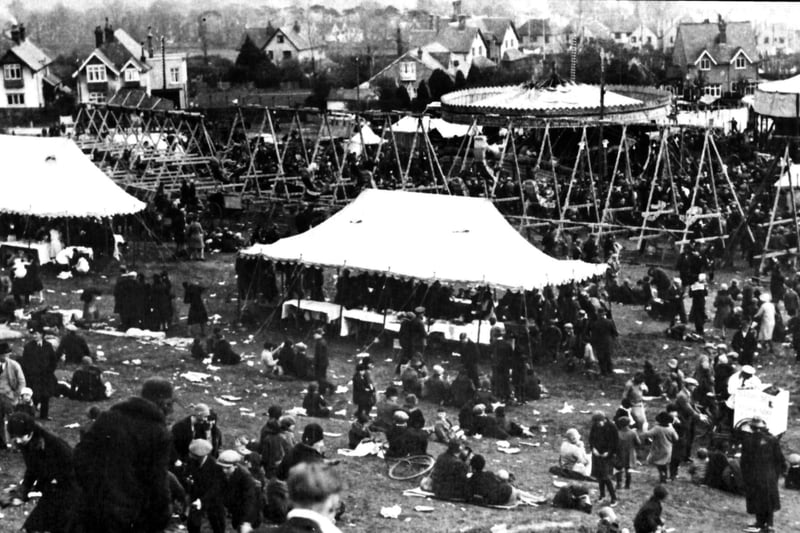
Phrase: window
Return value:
(270, 55)
(649, 40)
(740, 62)
(617, 35)
(96, 73)
(705, 64)
(781, 40)
(97, 98)
(766, 40)
(633, 39)
(547, 39)
(131, 74)
(12, 71)
(16, 98)
(287, 54)
(473, 51)
(280, 39)
(174, 74)
(455, 63)
(672, 40)
(714, 89)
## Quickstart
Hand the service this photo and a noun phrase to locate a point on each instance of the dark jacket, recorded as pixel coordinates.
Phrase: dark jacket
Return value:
(204, 482)
(485, 488)
(762, 463)
(356, 434)
(404, 441)
(604, 439)
(49, 470)
(73, 347)
(241, 498)
(87, 384)
(321, 360)
(301, 453)
(363, 390)
(272, 448)
(449, 477)
(648, 519)
(121, 465)
(182, 435)
(193, 295)
(39, 365)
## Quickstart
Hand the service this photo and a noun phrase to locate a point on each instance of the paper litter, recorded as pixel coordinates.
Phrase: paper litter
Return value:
(333, 435)
(295, 411)
(231, 398)
(74, 425)
(341, 412)
(391, 512)
(224, 402)
(341, 389)
(566, 409)
(195, 377)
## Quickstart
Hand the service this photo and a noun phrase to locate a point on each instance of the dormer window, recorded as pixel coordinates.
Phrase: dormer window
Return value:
(131, 75)
(12, 71)
(740, 62)
(705, 64)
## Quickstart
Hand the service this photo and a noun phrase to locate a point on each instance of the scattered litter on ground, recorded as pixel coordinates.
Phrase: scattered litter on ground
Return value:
(195, 377)
(74, 425)
(566, 409)
(391, 512)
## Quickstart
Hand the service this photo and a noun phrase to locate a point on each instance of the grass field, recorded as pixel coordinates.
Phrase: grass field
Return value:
(688, 509)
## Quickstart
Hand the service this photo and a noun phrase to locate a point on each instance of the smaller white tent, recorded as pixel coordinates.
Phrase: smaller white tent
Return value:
(447, 130)
(52, 177)
(369, 138)
(779, 98)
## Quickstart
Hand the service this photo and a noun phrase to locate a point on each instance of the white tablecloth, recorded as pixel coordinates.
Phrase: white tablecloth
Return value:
(42, 248)
(351, 316)
(318, 310)
(452, 331)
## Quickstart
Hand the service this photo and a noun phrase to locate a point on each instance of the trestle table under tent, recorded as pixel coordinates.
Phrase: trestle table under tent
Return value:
(51, 178)
(426, 238)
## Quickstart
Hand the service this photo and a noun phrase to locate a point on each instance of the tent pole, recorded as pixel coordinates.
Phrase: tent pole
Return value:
(527, 328)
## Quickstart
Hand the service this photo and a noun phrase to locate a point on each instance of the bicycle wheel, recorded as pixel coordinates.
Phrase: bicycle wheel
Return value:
(411, 467)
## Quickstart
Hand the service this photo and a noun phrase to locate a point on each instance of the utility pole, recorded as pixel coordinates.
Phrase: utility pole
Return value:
(358, 89)
(163, 63)
(603, 141)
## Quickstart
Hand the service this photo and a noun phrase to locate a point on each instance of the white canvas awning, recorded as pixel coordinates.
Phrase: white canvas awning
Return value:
(453, 239)
(447, 130)
(779, 98)
(52, 177)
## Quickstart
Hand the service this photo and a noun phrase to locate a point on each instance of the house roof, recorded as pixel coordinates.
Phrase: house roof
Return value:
(533, 28)
(31, 55)
(513, 54)
(260, 35)
(483, 62)
(298, 39)
(695, 37)
(493, 27)
(425, 58)
(420, 37)
(456, 40)
(115, 54)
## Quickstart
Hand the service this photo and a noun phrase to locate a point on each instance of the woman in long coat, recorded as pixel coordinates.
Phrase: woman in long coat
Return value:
(766, 320)
(724, 305)
(663, 436)
(762, 463)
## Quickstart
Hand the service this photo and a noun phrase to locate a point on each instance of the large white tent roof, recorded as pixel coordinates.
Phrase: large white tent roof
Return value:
(779, 98)
(453, 239)
(52, 177)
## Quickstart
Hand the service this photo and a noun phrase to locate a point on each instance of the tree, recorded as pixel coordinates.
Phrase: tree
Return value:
(461, 81)
(320, 87)
(250, 56)
(423, 97)
(403, 99)
(439, 83)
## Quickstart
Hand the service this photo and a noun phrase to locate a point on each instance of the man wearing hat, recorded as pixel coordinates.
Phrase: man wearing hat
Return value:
(123, 455)
(417, 331)
(300, 363)
(12, 381)
(239, 492)
(688, 413)
(72, 347)
(48, 470)
(204, 482)
(745, 343)
(310, 449)
(744, 379)
(436, 389)
(762, 464)
(39, 363)
(187, 429)
(468, 351)
(321, 363)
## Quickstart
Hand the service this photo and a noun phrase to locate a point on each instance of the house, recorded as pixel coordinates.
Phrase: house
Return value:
(538, 34)
(27, 80)
(409, 70)
(774, 39)
(643, 36)
(717, 57)
(120, 62)
(499, 33)
(291, 42)
(622, 31)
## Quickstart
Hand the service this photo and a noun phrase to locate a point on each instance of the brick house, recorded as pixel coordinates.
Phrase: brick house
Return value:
(716, 58)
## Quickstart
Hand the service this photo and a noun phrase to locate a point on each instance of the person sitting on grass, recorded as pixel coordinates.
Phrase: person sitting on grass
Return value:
(443, 430)
(386, 409)
(436, 389)
(488, 488)
(509, 426)
(648, 519)
(72, 347)
(199, 347)
(314, 403)
(87, 383)
(221, 351)
(699, 467)
(404, 441)
(413, 374)
(25, 402)
(608, 522)
(359, 430)
(485, 425)
(448, 479)
(573, 460)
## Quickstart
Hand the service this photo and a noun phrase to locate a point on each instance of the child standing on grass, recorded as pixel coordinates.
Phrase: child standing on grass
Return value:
(663, 436)
(626, 453)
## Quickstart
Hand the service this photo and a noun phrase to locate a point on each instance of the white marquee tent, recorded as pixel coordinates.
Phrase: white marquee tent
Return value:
(779, 98)
(52, 177)
(369, 138)
(447, 130)
(453, 239)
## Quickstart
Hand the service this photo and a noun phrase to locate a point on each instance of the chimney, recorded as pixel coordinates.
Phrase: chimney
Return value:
(15, 33)
(456, 10)
(436, 22)
(419, 53)
(143, 57)
(431, 22)
(296, 27)
(723, 33)
(109, 32)
(21, 32)
(98, 36)
(462, 22)
(150, 41)
(399, 40)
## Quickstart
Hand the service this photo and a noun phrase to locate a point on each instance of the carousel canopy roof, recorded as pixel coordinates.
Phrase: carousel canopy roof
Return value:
(52, 177)
(452, 239)
(779, 98)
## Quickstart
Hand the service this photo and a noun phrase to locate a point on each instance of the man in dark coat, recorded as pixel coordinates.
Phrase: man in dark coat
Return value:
(604, 331)
(204, 482)
(48, 470)
(39, 363)
(321, 363)
(73, 348)
(404, 339)
(187, 429)
(121, 465)
(309, 450)
(221, 351)
(604, 441)
(762, 463)
(239, 493)
(468, 351)
(87, 383)
(648, 519)
(503, 356)
(745, 343)
(363, 389)
(449, 474)
(417, 331)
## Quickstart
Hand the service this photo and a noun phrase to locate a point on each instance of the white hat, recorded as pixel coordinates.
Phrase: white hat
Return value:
(747, 369)
(691, 381)
(26, 390)
(701, 277)
(722, 359)
(362, 355)
(764, 297)
(229, 458)
(437, 369)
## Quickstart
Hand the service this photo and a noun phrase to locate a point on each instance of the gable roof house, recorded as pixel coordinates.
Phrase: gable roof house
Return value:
(27, 80)
(410, 69)
(538, 34)
(119, 65)
(292, 42)
(719, 57)
(499, 33)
